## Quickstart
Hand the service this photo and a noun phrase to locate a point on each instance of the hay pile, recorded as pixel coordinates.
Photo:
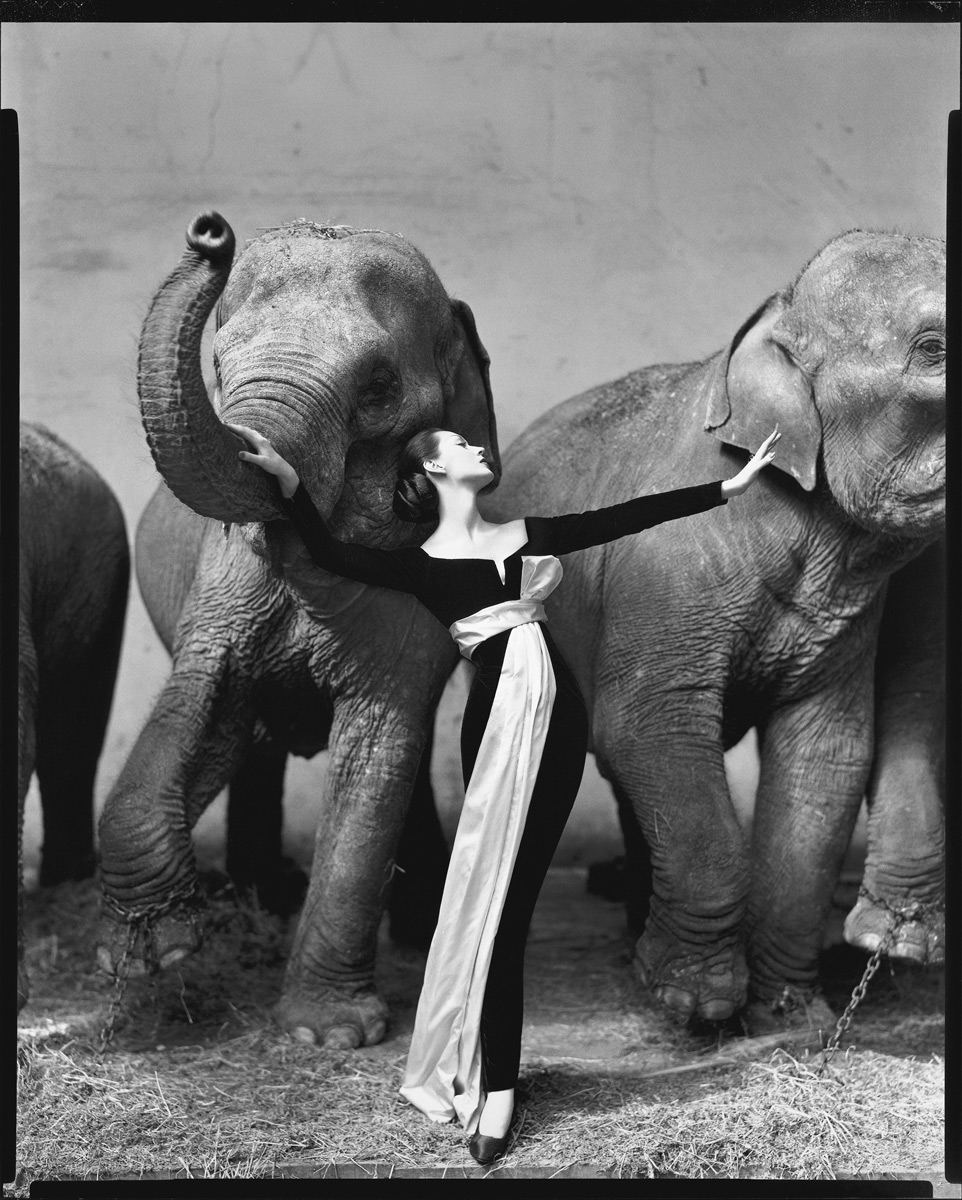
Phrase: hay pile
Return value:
(199, 1081)
(259, 1102)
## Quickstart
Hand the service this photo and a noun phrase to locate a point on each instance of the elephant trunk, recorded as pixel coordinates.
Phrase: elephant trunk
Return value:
(194, 452)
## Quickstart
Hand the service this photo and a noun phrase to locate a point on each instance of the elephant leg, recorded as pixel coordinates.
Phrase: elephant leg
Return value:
(184, 756)
(665, 753)
(815, 758)
(26, 757)
(329, 994)
(420, 865)
(71, 723)
(72, 716)
(904, 867)
(255, 819)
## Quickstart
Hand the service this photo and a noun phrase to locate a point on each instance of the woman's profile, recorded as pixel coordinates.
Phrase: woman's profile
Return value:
(523, 741)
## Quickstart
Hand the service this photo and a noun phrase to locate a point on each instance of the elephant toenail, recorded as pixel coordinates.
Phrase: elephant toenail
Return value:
(303, 1034)
(341, 1037)
(677, 1000)
(376, 1032)
(104, 961)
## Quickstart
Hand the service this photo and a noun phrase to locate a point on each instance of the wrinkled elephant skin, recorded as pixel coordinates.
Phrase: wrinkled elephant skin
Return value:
(338, 345)
(74, 569)
(766, 612)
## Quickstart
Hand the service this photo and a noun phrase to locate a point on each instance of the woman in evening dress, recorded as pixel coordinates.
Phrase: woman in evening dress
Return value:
(523, 741)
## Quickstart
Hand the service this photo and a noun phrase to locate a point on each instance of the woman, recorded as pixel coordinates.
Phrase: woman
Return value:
(523, 742)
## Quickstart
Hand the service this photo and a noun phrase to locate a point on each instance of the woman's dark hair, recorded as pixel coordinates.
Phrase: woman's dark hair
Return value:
(415, 496)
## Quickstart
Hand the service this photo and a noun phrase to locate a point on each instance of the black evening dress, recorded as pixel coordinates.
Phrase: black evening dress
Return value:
(523, 742)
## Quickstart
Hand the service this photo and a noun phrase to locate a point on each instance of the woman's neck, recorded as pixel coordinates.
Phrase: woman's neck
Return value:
(458, 516)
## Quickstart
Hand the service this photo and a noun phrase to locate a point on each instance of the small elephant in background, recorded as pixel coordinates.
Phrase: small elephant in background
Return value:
(74, 570)
(339, 344)
(810, 608)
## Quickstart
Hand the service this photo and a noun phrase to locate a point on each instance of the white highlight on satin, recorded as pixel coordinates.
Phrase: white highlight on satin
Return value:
(471, 631)
(443, 1075)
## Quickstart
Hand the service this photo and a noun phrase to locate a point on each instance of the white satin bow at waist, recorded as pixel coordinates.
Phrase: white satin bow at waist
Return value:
(471, 631)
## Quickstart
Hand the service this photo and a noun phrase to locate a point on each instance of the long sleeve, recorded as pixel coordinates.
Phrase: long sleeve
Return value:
(577, 531)
(364, 564)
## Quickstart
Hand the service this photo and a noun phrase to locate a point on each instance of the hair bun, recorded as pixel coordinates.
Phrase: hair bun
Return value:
(415, 498)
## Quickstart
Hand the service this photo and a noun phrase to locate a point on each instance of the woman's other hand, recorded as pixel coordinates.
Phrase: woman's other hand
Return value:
(750, 471)
(266, 457)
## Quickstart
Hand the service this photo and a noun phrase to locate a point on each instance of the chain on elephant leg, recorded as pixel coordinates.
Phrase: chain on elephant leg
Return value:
(120, 988)
(143, 944)
(920, 927)
(858, 994)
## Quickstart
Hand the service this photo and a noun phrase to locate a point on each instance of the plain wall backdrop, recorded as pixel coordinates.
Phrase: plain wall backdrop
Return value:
(605, 196)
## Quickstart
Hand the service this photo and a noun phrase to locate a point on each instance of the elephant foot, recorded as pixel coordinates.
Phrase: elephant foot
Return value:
(793, 1009)
(144, 945)
(334, 1020)
(918, 929)
(711, 985)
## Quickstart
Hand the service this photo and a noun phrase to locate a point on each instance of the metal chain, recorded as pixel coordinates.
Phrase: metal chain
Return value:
(858, 995)
(138, 919)
(902, 914)
(120, 987)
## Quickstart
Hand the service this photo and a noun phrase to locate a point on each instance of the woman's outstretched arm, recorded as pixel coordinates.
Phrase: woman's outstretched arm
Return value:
(364, 564)
(577, 531)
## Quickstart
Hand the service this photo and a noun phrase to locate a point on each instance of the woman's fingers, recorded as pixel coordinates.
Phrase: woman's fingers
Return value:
(251, 435)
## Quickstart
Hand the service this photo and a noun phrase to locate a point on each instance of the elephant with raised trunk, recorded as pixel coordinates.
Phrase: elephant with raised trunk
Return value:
(338, 344)
(767, 613)
(74, 566)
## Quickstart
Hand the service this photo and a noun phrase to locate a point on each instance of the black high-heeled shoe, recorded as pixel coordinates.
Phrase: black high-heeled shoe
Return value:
(484, 1149)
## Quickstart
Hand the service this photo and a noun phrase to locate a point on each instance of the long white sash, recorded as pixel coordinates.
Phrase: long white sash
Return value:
(443, 1076)
(471, 631)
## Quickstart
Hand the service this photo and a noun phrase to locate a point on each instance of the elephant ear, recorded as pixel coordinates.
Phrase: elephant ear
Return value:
(470, 405)
(756, 385)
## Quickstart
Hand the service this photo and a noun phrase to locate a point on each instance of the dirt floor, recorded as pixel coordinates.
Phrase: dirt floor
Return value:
(198, 1081)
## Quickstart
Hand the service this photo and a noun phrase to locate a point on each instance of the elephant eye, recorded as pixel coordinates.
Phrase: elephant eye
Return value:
(928, 351)
(381, 390)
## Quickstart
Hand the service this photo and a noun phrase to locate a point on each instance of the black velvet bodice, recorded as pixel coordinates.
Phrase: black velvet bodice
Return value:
(454, 588)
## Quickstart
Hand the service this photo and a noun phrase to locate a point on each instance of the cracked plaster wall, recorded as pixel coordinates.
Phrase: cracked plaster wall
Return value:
(604, 196)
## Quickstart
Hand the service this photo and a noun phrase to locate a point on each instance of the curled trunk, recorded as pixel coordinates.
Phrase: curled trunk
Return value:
(194, 452)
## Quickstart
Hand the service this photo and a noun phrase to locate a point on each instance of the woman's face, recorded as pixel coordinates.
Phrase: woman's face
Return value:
(461, 462)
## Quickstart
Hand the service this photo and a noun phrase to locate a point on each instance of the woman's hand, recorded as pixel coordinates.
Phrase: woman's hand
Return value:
(749, 472)
(266, 457)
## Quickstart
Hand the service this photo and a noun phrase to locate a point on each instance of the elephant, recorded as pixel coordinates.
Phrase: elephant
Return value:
(338, 344)
(809, 609)
(74, 565)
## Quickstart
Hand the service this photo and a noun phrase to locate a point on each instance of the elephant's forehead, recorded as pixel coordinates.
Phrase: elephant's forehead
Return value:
(860, 263)
(883, 282)
(379, 272)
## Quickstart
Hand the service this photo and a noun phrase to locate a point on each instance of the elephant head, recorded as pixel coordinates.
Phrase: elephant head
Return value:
(337, 344)
(849, 363)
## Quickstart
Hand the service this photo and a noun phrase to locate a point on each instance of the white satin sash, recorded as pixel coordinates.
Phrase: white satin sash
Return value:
(486, 622)
(443, 1075)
